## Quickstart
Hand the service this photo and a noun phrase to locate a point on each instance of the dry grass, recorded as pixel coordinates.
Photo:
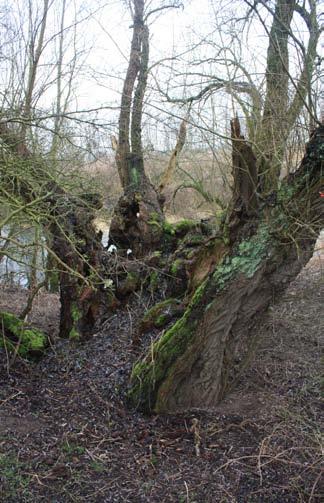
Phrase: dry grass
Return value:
(212, 174)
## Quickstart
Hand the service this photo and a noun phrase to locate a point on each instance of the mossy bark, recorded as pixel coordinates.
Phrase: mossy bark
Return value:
(161, 314)
(202, 356)
(79, 248)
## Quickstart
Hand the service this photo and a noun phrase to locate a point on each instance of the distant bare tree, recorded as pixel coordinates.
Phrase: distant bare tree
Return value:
(270, 107)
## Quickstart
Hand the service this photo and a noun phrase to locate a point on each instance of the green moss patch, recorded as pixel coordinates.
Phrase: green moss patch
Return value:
(160, 314)
(153, 281)
(184, 226)
(76, 315)
(14, 335)
(193, 239)
(176, 266)
(180, 228)
(148, 373)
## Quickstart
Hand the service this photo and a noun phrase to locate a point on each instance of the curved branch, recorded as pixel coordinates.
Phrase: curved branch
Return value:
(176, 5)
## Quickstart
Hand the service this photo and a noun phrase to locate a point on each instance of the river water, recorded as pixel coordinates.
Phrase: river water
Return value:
(16, 266)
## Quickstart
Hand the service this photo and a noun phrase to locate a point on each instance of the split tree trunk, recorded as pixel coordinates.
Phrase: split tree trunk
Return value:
(200, 358)
(138, 217)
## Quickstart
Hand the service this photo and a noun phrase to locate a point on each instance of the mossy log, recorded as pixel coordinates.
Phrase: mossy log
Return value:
(18, 338)
(203, 354)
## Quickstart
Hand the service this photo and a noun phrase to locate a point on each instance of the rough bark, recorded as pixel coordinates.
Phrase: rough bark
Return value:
(245, 176)
(202, 356)
(79, 250)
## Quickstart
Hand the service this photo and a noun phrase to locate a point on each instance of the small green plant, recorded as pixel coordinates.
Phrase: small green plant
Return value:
(97, 466)
(153, 281)
(72, 449)
(74, 334)
(176, 266)
(13, 479)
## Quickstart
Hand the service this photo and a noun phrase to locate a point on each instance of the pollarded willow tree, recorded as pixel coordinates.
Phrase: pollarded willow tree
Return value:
(266, 237)
(258, 251)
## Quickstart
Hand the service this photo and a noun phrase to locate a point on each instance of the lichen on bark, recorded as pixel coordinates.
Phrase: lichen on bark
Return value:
(202, 355)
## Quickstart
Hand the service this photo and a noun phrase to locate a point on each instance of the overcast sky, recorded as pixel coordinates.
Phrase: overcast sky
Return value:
(103, 44)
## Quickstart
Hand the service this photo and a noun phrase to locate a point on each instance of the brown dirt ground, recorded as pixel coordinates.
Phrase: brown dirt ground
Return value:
(66, 434)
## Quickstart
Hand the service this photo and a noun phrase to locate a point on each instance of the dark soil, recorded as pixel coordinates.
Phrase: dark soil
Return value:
(66, 434)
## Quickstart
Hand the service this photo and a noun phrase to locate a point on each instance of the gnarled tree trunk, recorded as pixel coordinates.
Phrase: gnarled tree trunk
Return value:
(202, 355)
(76, 247)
